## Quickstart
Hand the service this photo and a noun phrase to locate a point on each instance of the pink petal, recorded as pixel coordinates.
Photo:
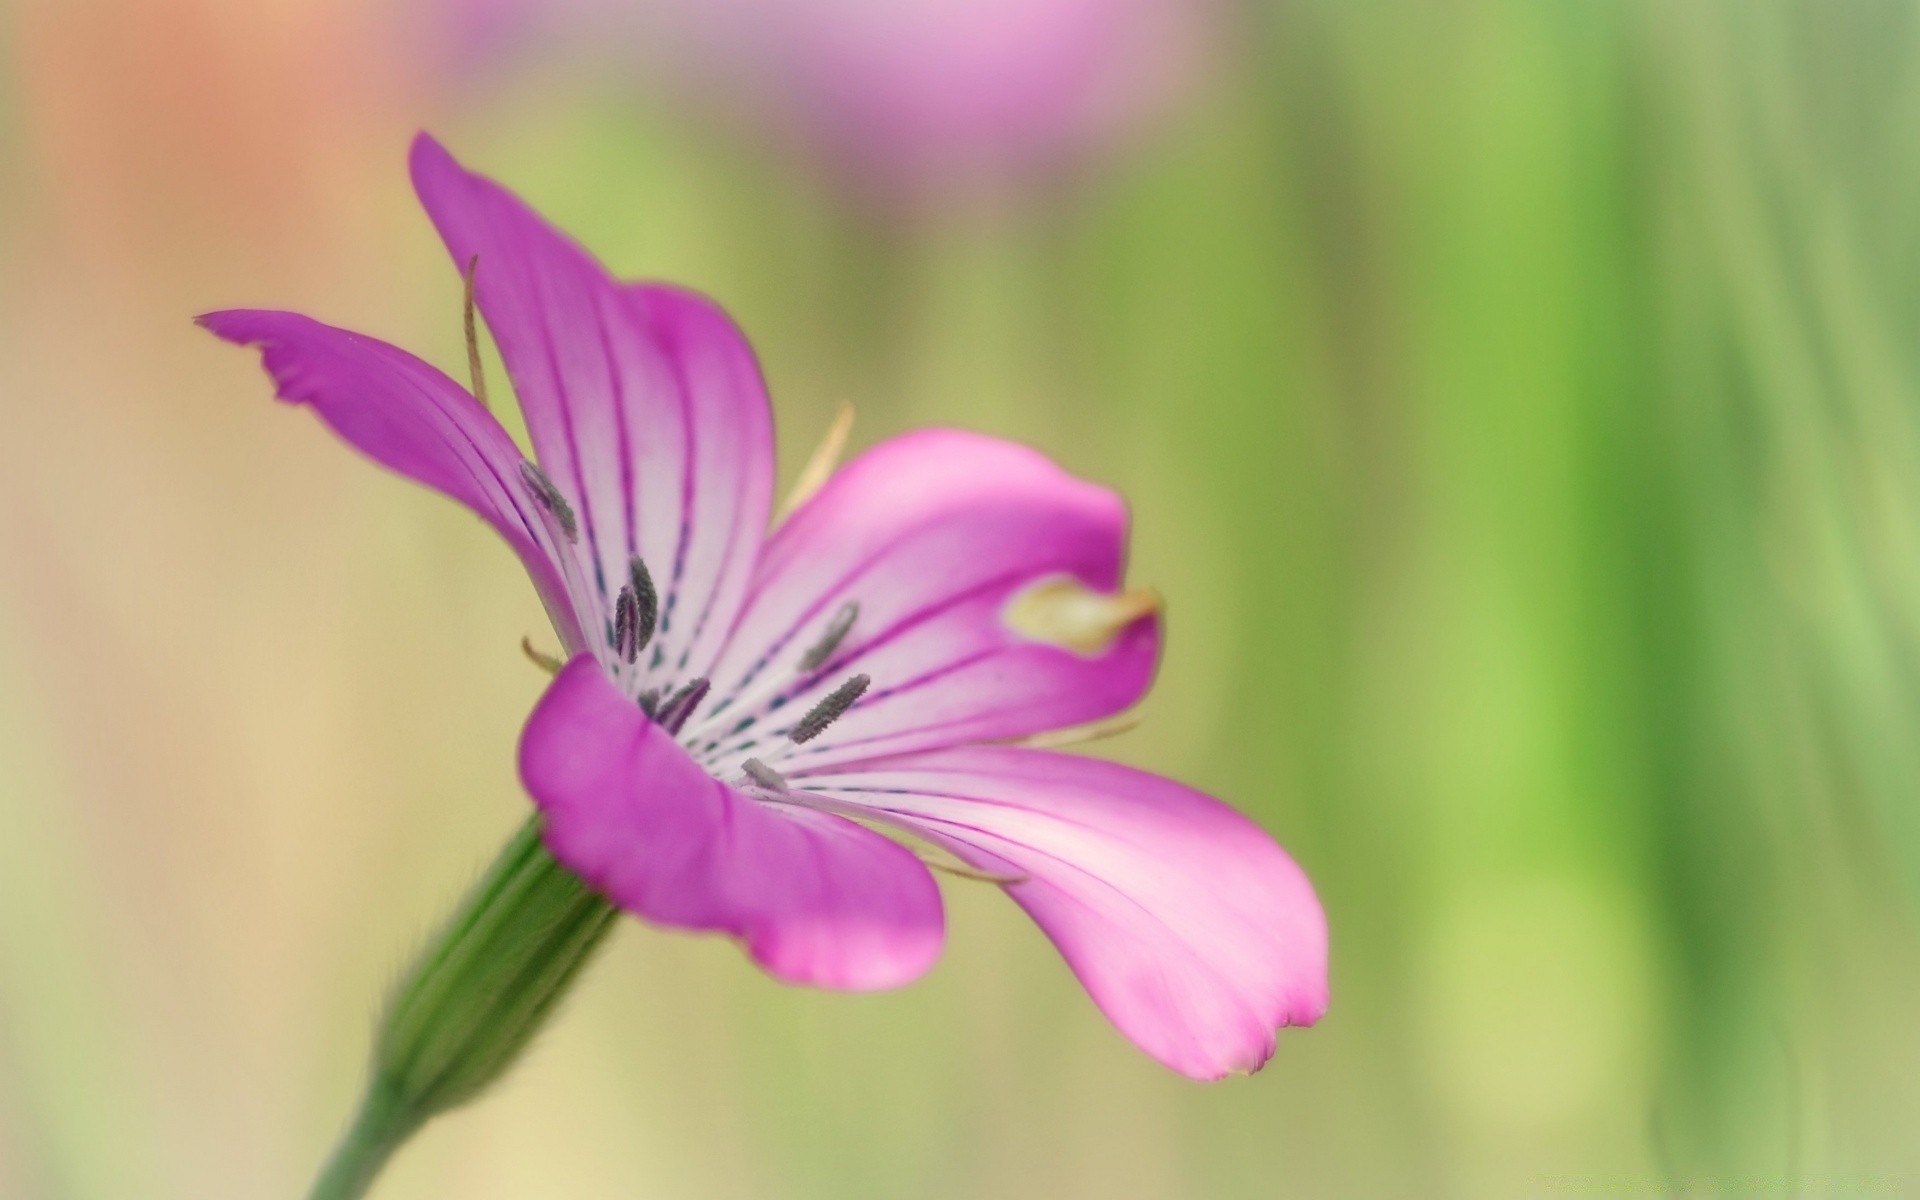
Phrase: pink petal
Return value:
(932, 534)
(644, 403)
(816, 898)
(408, 416)
(1192, 930)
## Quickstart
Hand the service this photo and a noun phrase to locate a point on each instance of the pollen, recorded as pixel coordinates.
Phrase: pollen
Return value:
(764, 775)
(1064, 612)
(548, 497)
(646, 604)
(830, 708)
(837, 630)
(680, 705)
(626, 621)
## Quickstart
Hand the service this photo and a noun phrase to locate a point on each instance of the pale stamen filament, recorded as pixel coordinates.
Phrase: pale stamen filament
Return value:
(549, 663)
(819, 468)
(473, 338)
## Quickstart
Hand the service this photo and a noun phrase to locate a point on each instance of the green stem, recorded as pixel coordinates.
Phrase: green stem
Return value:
(472, 1003)
(376, 1132)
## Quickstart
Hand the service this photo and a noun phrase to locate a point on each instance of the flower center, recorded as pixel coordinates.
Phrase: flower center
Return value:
(724, 748)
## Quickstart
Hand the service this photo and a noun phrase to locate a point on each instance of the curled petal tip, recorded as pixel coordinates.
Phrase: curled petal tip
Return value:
(425, 145)
(227, 324)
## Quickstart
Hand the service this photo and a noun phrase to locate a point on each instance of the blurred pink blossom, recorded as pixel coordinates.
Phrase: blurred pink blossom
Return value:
(903, 94)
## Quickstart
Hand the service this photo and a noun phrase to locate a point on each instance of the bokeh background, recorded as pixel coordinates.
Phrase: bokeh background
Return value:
(1520, 400)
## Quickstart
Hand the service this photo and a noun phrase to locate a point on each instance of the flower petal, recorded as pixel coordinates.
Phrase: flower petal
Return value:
(936, 536)
(644, 403)
(1192, 930)
(816, 898)
(408, 416)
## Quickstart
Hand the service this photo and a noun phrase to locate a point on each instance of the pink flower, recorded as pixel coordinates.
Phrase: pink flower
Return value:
(744, 710)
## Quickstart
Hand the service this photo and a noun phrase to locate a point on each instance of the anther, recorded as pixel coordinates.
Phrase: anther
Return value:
(837, 630)
(829, 710)
(549, 498)
(680, 705)
(646, 612)
(764, 775)
(626, 625)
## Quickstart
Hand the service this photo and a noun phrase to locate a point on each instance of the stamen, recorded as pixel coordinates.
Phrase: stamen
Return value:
(820, 466)
(546, 662)
(680, 706)
(549, 498)
(829, 710)
(769, 691)
(623, 614)
(473, 338)
(837, 630)
(646, 613)
(764, 775)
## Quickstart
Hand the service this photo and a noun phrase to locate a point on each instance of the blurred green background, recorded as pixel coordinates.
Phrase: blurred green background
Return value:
(1520, 402)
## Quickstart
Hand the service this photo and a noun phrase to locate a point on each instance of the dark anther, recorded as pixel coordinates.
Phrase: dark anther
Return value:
(825, 713)
(626, 624)
(646, 605)
(549, 498)
(764, 775)
(837, 630)
(680, 706)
